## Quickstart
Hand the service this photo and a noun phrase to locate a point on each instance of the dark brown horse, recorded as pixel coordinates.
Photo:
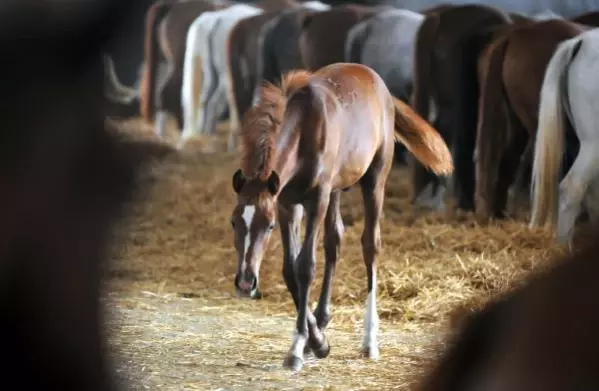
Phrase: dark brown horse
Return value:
(278, 48)
(588, 18)
(511, 74)
(447, 47)
(542, 336)
(64, 181)
(242, 60)
(167, 23)
(304, 143)
(320, 44)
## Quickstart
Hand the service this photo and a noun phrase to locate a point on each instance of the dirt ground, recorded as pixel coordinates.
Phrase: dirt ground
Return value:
(175, 323)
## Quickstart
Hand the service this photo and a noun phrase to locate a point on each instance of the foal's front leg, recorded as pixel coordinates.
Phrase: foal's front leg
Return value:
(290, 219)
(304, 273)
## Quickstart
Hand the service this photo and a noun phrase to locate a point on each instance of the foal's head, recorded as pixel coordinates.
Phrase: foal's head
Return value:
(257, 183)
(253, 221)
(257, 186)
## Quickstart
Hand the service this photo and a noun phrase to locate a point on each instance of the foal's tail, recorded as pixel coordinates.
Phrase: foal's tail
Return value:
(421, 139)
(549, 143)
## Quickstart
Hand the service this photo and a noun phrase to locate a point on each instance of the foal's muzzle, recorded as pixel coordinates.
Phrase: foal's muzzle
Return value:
(247, 285)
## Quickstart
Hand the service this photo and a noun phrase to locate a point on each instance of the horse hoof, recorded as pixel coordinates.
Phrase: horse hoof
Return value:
(293, 363)
(323, 350)
(307, 350)
(370, 352)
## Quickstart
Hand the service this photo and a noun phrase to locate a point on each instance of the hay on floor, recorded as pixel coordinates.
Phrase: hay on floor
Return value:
(178, 246)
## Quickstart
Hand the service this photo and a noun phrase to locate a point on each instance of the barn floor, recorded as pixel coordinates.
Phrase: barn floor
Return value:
(176, 325)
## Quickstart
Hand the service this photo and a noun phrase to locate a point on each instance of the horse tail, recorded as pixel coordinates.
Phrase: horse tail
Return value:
(148, 85)
(549, 143)
(115, 90)
(422, 64)
(192, 73)
(421, 139)
(354, 42)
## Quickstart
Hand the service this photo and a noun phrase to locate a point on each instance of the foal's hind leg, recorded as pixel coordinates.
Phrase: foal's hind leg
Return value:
(373, 192)
(574, 187)
(333, 232)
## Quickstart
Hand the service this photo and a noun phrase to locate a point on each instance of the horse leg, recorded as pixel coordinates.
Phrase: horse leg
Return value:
(573, 189)
(373, 193)
(333, 233)
(303, 269)
(511, 160)
(520, 187)
(290, 220)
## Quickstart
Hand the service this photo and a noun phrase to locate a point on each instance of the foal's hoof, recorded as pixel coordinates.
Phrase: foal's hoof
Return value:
(322, 350)
(371, 352)
(293, 363)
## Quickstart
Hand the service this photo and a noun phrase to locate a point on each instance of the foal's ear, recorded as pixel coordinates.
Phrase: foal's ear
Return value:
(238, 181)
(273, 183)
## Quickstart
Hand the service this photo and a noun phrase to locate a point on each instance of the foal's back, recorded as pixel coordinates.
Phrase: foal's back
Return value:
(356, 118)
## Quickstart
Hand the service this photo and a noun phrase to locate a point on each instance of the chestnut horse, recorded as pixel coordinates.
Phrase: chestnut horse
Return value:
(448, 44)
(568, 100)
(512, 70)
(305, 142)
(539, 336)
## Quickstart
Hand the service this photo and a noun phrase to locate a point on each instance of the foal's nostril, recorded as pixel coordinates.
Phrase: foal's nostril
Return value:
(246, 283)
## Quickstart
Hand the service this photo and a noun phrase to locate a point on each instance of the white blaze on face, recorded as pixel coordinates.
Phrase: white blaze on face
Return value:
(248, 216)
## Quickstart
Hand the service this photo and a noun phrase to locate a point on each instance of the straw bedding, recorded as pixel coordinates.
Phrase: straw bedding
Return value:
(177, 325)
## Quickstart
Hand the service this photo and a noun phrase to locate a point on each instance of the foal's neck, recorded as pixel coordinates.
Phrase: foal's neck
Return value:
(286, 148)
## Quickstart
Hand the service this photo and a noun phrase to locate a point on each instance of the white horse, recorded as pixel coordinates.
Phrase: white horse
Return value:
(570, 92)
(205, 65)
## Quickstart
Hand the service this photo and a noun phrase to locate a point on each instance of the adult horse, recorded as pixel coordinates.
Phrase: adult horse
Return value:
(205, 59)
(539, 336)
(167, 23)
(447, 47)
(319, 44)
(511, 74)
(385, 42)
(568, 99)
(203, 94)
(121, 100)
(278, 47)
(304, 143)
(243, 56)
(64, 179)
(587, 18)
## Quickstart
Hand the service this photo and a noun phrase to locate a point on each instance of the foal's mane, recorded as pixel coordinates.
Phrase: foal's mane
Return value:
(262, 123)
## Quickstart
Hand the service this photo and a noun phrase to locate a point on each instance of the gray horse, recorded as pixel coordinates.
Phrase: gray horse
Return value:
(570, 94)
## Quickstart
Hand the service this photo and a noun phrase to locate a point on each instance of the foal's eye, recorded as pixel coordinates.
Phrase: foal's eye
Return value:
(233, 224)
(271, 227)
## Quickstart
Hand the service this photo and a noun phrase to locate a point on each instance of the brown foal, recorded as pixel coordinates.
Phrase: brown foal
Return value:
(303, 143)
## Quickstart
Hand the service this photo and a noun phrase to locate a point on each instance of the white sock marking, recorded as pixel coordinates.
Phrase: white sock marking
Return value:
(371, 321)
(298, 344)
